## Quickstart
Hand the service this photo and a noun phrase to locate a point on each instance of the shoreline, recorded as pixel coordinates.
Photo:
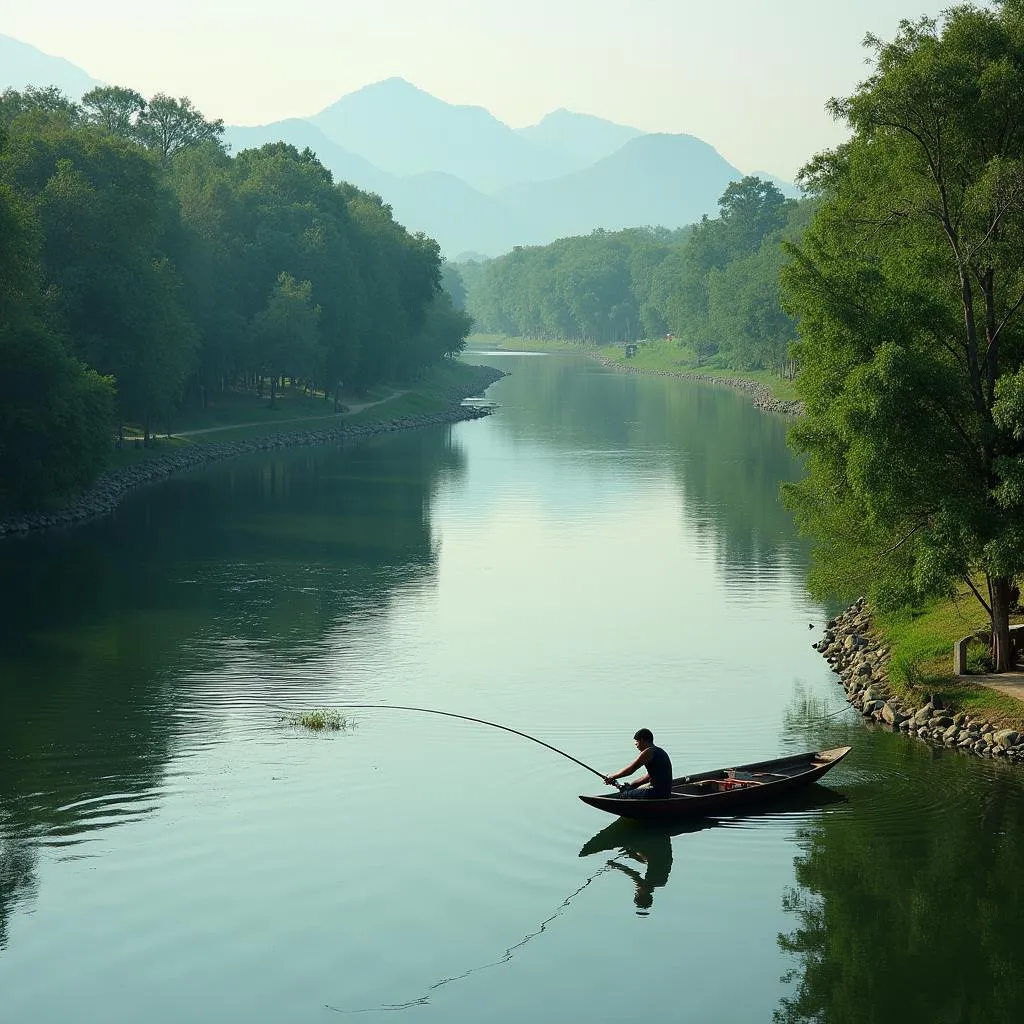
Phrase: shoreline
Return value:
(855, 654)
(759, 393)
(113, 485)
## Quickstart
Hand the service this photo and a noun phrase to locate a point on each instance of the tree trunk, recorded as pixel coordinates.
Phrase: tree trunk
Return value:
(1002, 648)
(273, 391)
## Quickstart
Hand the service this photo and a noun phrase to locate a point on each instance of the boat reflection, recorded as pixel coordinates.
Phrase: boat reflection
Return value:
(648, 844)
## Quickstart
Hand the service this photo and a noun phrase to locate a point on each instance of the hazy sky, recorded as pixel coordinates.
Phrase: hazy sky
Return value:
(749, 76)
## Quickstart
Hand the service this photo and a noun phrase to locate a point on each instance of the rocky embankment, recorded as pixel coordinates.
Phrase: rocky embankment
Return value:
(112, 486)
(759, 394)
(861, 661)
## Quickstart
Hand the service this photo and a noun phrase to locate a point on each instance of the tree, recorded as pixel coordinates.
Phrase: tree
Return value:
(35, 99)
(909, 288)
(55, 415)
(168, 126)
(287, 330)
(115, 108)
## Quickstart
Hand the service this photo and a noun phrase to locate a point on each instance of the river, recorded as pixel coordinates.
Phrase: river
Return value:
(605, 552)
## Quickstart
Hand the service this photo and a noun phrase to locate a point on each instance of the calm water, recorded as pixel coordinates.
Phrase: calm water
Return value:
(605, 552)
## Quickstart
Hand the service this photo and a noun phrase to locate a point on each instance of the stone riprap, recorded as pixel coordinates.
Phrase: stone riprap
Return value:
(861, 662)
(759, 393)
(111, 486)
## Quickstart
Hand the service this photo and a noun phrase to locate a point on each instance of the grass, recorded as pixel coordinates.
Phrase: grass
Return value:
(922, 658)
(659, 355)
(320, 720)
(671, 357)
(239, 415)
(504, 343)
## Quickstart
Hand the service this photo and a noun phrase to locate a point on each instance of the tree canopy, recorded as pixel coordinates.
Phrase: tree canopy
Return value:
(713, 286)
(144, 266)
(909, 286)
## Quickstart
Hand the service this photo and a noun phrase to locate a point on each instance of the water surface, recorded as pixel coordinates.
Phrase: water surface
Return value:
(605, 552)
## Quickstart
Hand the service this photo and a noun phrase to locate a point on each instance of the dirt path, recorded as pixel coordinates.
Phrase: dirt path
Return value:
(349, 410)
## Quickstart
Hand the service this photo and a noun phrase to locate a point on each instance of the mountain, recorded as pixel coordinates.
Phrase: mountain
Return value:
(582, 139)
(22, 64)
(404, 130)
(344, 165)
(461, 175)
(787, 188)
(668, 180)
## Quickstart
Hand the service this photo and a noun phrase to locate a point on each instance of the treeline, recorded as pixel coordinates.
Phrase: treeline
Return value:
(714, 287)
(142, 268)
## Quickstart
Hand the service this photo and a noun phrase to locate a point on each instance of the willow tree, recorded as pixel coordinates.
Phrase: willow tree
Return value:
(909, 287)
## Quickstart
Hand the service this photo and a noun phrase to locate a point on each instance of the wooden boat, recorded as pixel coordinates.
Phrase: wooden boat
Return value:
(726, 790)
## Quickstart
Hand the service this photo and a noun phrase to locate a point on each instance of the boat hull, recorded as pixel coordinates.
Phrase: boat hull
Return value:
(727, 790)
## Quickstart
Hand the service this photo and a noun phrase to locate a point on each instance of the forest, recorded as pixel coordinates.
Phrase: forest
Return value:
(713, 286)
(143, 268)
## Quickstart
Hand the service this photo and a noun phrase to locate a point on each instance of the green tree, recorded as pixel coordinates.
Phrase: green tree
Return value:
(286, 331)
(55, 415)
(168, 125)
(114, 108)
(909, 288)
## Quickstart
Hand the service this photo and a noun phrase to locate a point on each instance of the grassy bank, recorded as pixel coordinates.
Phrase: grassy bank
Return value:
(668, 357)
(239, 414)
(653, 356)
(922, 658)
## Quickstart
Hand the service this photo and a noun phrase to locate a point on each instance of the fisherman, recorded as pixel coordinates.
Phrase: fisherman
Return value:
(657, 783)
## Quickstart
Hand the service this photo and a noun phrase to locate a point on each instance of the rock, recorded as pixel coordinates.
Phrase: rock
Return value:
(1006, 737)
(921, 718)
(891, 715)
(949, 736)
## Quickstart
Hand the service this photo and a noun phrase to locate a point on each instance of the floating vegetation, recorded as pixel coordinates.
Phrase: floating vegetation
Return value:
(320, 720)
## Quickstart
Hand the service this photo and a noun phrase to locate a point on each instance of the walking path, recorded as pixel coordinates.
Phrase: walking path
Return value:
(1009, 683)
(349, 410)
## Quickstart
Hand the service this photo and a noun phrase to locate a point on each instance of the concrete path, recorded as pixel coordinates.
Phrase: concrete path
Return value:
(1009, 683)
(349, 410)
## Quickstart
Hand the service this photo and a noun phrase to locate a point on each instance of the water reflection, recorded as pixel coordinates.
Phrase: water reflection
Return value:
(727, 457)
(121, 639)
(909, 906)
(646, 844)
(649, 843)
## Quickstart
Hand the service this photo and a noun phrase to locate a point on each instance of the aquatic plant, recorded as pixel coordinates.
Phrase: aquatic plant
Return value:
(320, 720)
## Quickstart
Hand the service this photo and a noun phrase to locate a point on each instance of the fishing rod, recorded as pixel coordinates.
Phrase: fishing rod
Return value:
(479, 721)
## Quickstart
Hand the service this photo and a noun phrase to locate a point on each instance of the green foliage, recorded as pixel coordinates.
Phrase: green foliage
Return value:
(908, 287)
(171, 269)
(713, 287)
(320, 720)
(55, 415)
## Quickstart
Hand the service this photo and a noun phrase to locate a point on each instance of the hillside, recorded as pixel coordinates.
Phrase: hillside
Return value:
(669, 180)
(580, 139)
(22, 64)
(404, 131)
(463, 176)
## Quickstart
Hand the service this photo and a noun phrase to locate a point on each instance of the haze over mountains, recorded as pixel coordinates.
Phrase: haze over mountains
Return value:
(463, 176)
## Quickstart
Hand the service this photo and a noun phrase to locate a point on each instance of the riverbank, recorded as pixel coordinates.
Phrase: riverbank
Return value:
(767, 391)
(951, 712)
(181, 455)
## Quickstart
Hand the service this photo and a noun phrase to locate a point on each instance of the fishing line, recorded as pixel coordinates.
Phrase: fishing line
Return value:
(479, 721)
(505, 957)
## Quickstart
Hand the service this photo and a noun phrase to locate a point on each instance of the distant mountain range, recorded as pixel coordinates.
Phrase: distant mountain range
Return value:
(466, 178)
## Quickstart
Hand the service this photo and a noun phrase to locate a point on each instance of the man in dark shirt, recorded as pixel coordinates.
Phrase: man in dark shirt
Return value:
(657, 783)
